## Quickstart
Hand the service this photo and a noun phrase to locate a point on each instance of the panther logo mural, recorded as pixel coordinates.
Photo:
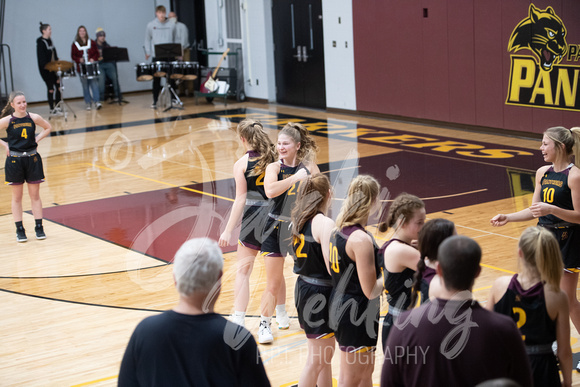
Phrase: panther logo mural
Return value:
(542, 32)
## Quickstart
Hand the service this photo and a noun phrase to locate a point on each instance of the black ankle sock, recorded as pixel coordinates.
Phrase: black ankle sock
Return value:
(38, 222)
(19, 225)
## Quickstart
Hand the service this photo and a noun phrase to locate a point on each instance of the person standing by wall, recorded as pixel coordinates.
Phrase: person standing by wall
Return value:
(108, 69)
(84, 52)
(159, 31)
(46, 53)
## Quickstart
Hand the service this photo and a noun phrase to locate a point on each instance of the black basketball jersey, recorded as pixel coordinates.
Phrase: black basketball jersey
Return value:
(397, 285)
(342, 265)
(307, 253)
(528, 309)
(21, 134)
(255, 183)
(555, 191)
(283, 203)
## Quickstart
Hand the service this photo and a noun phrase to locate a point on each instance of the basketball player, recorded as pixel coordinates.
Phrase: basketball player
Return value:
(355, 267)
(251, 205)
(407, 216)
(431, 235)
(533, 299)
(556, 202)
(297, 152)
(23, 163)
(311, 237)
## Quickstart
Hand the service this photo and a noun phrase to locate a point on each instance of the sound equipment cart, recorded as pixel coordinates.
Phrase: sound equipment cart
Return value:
(232, 75)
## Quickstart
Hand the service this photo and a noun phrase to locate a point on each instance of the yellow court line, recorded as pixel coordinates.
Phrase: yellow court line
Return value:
(497, 268)
(480, 289)
(444, 196)
(161, 182)
(96, 381)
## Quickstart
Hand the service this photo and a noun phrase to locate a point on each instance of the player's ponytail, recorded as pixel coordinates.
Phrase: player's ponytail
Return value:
(253, 132)
(312, 198)
(575, 131)
(541, 252)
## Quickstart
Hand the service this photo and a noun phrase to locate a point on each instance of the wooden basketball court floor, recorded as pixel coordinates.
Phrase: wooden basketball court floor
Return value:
(126, 185)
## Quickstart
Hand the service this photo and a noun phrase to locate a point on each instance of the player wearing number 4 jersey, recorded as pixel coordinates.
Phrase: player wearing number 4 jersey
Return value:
(556, 202)
(23, 163)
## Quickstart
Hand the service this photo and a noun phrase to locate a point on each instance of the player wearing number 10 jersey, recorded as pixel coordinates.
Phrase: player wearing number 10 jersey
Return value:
(556, 202)
(355, 267)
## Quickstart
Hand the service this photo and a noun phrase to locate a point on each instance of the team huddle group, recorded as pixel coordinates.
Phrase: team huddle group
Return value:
(434, 332)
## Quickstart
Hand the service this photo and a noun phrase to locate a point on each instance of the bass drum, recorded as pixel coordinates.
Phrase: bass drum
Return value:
(190, 70)
(144, 72)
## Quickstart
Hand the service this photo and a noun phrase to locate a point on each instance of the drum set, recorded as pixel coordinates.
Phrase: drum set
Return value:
(177, 71)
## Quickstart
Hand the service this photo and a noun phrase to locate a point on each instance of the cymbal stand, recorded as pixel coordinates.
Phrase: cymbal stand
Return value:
(167, 92)
(62, 105)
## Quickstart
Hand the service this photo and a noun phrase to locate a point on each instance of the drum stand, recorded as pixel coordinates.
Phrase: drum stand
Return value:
(168, 93)
(62, 105)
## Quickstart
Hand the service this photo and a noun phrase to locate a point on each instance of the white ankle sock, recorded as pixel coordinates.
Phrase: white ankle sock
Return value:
(280, 309)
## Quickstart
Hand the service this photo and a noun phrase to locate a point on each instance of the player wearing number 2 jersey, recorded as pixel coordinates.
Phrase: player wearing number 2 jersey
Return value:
(556, 202)
(310, 236)
(297, 151)
(23, 163)
(537, 305)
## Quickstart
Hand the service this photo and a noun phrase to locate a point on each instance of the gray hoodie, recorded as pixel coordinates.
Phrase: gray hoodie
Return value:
(159, 33)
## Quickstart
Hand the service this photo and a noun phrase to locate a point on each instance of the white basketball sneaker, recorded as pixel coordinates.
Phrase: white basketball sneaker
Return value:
(265, 333)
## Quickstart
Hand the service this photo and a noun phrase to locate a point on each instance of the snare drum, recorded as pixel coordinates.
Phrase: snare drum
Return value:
(176, 70)
(160, 69)
(89, 70)
(144, 72)
(190, 70)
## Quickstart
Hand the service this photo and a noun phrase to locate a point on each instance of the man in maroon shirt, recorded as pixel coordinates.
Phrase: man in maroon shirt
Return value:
(452, 340)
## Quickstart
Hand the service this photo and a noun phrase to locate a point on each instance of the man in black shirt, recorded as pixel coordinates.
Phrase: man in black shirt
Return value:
(192, 345)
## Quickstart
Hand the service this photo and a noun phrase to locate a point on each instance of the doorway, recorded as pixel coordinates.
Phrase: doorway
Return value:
(299, 53)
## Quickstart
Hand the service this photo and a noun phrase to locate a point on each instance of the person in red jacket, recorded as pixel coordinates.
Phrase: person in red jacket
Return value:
(85, 54)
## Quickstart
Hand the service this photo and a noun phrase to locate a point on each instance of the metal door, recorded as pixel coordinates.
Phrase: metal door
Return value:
(299, 52)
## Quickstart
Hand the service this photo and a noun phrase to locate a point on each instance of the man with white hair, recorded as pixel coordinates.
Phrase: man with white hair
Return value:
(192, 345)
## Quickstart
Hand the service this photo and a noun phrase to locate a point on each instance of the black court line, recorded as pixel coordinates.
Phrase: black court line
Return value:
(87, 275)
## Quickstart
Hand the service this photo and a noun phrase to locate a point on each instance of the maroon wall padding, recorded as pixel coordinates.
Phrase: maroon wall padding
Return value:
(435, 61)
(452, 66)
(488, 57)
(461, 62)
(383, 51)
